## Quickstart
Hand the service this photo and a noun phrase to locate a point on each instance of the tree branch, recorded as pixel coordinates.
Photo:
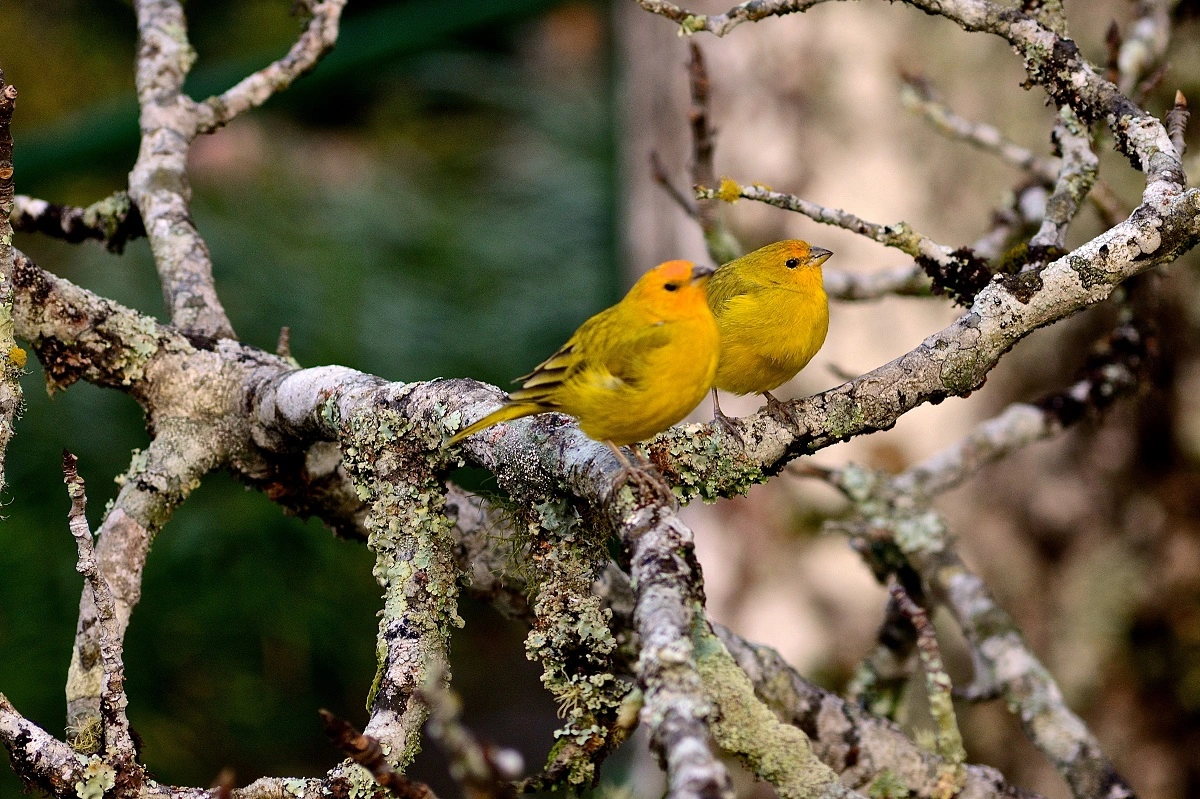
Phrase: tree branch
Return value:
(118, 743)
(158, 184)
(114, 221)
(1077, 173)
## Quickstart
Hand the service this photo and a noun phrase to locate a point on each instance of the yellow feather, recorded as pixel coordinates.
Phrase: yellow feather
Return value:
(632, 370)
(772, 313)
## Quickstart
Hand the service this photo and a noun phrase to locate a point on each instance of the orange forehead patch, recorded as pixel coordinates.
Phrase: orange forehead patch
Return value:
(674, 270)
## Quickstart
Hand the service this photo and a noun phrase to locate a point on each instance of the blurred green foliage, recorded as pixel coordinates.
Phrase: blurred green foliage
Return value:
(435, 199)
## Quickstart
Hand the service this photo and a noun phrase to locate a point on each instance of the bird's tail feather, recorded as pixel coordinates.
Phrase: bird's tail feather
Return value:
(506, 412)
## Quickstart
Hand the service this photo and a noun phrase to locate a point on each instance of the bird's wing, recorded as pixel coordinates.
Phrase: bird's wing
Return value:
(726, 284)
(622, 351)
(603, 347)
(542, 384)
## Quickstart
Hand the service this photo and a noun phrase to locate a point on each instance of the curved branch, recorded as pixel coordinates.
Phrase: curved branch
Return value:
(318, 39)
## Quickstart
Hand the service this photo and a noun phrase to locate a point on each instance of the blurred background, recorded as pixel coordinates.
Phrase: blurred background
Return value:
(452, 192)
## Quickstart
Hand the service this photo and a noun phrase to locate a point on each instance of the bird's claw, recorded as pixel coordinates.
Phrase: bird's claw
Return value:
(728, 425)
(644, 476)
(646, 479)
(781, 411)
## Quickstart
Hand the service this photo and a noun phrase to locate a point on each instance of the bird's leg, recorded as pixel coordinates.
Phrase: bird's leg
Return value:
(782, 411)
(726, 423)
(644, 477)
(642, 457)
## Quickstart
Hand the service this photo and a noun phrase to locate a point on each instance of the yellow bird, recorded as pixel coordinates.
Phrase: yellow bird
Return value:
(773, 315)
(632, 370)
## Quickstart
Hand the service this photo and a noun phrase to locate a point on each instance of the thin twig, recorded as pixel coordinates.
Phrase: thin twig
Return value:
(1078, 168)
(659, 173)
(118, 743)
(939, 689)
(1144, 43)
(902, 281)
(721, 24)
(899, 235)
(917, 96)
(484, 771)
(114, 221)
(1177, 122)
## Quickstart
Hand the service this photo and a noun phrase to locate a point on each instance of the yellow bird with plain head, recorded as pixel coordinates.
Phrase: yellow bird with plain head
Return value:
(773, 315)
(632, 370)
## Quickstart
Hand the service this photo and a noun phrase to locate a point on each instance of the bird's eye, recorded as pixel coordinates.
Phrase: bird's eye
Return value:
(671, 286)
(792, 263)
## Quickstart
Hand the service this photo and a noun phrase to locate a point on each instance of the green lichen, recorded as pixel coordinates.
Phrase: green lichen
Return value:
(108, 214)
(746, 728)
(692, 23)
(98, 778)
(702, 467)
(844, 418)
(963, 371)
(888, 785)
(295, 786)
(922, 532)
(395, 473)
(572, 639)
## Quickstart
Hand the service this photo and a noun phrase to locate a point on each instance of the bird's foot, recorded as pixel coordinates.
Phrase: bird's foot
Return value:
(728, 424)
(645, 479)
(781, 411)
(643, 476)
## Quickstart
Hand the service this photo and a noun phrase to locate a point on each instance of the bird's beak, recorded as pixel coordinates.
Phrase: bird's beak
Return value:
(700, 272)
(818, 255)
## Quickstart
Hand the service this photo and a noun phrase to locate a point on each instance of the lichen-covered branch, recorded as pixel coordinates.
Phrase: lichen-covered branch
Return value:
(385, 454)
(669, 601)
(317, 39)
(860, 747)
(1051, 60)
(953, 361)
(745, 727)
(1116, 367)
(158, 481)
(891, 515)
(12, 357)
(570, 637)
(113, 221)
(41, 761)
(938, 688)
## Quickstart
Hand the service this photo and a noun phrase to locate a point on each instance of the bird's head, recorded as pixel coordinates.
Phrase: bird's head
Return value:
(672, 290)
(785, 263)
